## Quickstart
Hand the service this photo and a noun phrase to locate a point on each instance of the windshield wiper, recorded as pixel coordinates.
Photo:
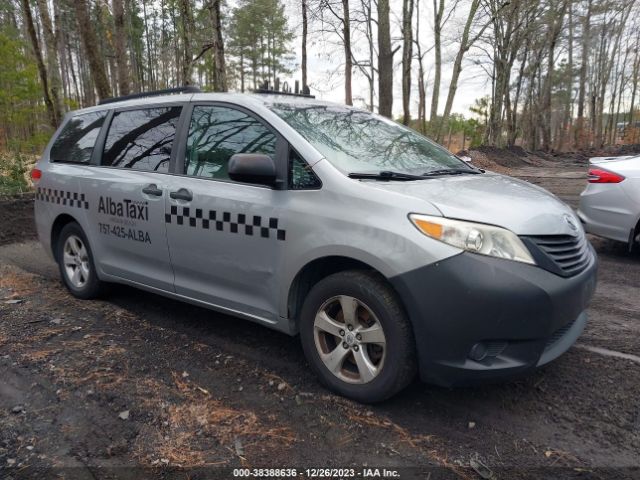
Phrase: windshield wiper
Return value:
(450, 171)
(386, 175)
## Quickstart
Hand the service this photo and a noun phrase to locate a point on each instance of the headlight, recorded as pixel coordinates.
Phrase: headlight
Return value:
(474, 237)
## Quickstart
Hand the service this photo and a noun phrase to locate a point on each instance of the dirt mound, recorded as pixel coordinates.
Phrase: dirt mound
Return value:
(621, 150)
(503, 160)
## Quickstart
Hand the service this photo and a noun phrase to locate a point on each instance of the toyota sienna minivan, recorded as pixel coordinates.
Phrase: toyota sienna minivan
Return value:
(388, 255)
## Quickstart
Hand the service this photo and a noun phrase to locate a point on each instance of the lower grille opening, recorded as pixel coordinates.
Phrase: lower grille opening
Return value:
(487, 349)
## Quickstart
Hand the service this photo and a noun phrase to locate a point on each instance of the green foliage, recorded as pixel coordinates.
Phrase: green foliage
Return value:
(481, 107)
(457, 124)
(20, 96)
(259, 37)
(13, 169)
(470, 127)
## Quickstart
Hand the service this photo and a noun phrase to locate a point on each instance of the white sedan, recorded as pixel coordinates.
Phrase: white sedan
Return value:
(610, 205)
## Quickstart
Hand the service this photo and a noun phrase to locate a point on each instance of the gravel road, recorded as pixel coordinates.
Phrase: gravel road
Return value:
(96, 389)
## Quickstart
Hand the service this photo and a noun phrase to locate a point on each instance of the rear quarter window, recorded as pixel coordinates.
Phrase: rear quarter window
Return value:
(76, 140)
(142, 139)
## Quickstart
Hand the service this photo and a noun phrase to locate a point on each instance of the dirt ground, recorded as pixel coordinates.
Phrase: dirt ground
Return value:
(137, 385)
(16, 215)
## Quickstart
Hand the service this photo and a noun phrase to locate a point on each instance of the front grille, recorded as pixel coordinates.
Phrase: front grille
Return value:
(565, 255)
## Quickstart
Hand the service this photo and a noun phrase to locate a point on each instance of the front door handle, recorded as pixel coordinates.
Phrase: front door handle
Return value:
(152, 189)
(182, 194)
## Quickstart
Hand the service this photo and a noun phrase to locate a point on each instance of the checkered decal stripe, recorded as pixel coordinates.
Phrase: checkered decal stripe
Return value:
(61, 197)
(222, 222)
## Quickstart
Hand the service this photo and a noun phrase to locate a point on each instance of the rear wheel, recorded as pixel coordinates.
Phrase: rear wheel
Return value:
(75, 261)
(357, 337)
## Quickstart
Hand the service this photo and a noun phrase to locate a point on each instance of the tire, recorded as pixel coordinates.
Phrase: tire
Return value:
(73, 248)
(360, 363)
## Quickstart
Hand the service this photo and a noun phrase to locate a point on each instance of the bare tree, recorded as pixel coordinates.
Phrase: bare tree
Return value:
(28, 18)
(53, 65)
(348, 62)
(305, 33)
(582, 82)
(219, 68)
(187, 34)
(555, 13)
(407, 57)
(438, 20)
(90, 44)
(385, 61)
(422, 94)
(466, 42)
(120, 46)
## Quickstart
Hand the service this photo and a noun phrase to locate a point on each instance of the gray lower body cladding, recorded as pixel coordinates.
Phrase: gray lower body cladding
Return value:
(480, 318)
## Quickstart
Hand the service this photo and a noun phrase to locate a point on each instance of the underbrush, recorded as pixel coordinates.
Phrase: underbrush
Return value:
(14, 172)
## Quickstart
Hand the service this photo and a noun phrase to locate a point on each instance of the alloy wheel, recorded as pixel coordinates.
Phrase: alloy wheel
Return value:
(76, 261)
(350, 339)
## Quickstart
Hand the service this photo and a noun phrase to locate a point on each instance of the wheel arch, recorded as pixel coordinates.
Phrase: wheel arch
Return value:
(634, 237)
(314, 271)
(58, 224)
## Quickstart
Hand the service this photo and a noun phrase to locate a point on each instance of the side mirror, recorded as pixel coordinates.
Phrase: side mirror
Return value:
(252, 168)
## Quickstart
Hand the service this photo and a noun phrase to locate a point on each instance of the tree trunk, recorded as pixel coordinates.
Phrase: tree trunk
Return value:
(348, 59)
(586, 26)
(465, 45)
(187, 34)
(66, 93)
(53, 65)
(90, 44)
(438, 12)
(304, 43)
(407, 57)
(220, 70)
(555, 24)
(28, 18)
(385, 61)
(241, 71)
(120, 47)
(422, 108)
(567, 121)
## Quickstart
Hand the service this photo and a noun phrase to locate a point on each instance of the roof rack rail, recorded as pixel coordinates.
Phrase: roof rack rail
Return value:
(155, 93)
(285, 90)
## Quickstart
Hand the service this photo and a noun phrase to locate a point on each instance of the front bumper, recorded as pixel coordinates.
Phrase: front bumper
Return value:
(479, 318)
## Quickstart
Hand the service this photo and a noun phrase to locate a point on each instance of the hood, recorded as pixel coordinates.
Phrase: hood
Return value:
(494, 199)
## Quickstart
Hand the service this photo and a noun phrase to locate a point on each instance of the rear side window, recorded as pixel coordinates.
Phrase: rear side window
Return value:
(77, 138)
(141, 139)
(217, 133)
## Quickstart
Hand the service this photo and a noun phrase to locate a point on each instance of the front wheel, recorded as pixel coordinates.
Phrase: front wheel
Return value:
(75, 261)
(356, 336)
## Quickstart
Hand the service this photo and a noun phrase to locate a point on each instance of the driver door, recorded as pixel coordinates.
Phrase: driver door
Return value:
(226, 239)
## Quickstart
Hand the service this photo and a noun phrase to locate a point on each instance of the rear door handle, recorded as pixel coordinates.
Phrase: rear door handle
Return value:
(152, 189)
(182, 194)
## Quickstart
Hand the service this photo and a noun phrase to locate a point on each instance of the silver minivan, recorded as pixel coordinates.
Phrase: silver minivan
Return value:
(388, 255)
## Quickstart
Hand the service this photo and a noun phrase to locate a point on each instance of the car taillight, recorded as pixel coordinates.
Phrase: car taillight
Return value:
(600, 175)
(36, 174)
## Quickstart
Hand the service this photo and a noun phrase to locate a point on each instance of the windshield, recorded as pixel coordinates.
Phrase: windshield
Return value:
(358, 141)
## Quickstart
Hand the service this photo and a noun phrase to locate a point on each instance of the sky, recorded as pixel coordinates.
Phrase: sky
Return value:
(326, 60)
